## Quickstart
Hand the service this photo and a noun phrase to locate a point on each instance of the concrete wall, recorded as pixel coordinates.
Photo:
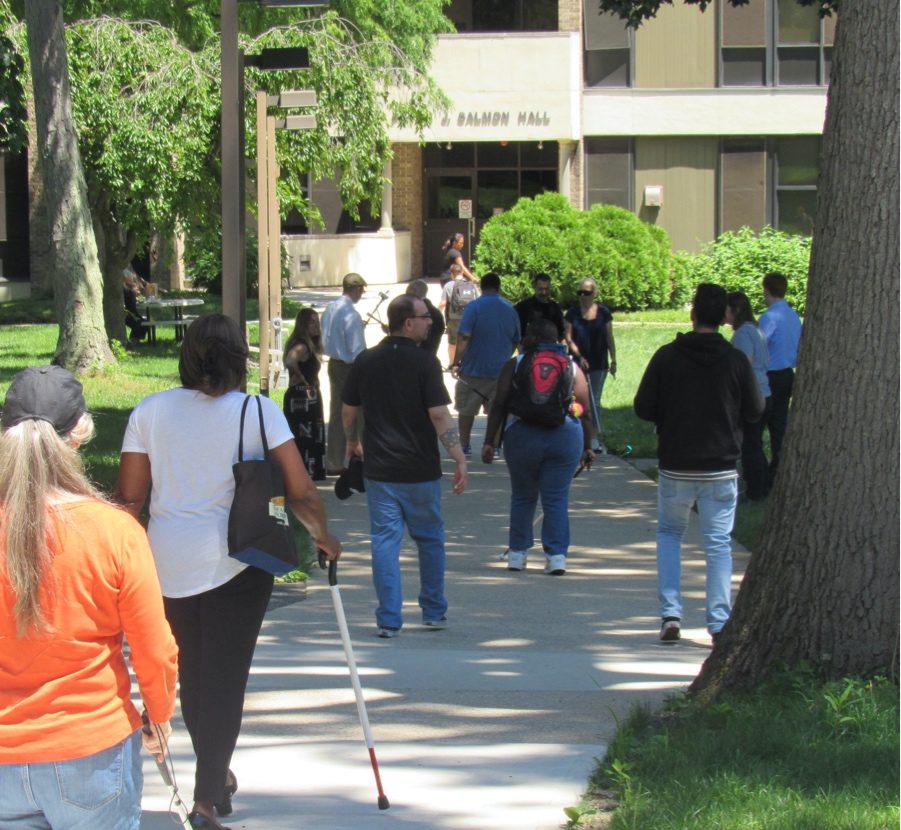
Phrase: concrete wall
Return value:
(381, 258)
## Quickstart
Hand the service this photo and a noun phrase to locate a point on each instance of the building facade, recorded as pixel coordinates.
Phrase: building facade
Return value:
(697, 122)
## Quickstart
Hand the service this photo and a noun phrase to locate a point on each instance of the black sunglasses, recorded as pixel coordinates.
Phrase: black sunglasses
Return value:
(584, 293)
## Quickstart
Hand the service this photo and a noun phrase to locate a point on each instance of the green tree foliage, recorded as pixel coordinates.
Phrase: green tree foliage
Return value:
(737, 260)
(630, 260)
(12, 96)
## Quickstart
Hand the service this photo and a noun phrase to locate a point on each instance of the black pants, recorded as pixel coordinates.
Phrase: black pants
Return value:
(753, 459)
(781, 383)
(216, 632)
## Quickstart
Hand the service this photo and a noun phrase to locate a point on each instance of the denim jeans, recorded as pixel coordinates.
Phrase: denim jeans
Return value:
(392, 506)
(596, 380)
(541, 462)
(716, 512)
(102, 790)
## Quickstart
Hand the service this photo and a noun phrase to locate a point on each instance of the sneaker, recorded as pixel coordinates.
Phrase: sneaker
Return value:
(498, 452)
(386, 632)
(598, 447)
(556, 565)
(670, 631)
(436, 625)
(467, 450)
(516, 560)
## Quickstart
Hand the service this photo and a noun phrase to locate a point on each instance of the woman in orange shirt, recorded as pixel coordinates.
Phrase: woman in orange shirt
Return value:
(76, 574)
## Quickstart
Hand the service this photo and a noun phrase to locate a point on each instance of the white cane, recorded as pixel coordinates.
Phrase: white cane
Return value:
(354, 676)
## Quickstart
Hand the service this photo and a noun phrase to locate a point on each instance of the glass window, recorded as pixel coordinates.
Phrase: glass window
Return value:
(744, 67)
(608, 172)
(461, 154)
(608, 48)
(540, 154)
(444, 194)
(497, 154)
(799, 161)
(535, 182)
(514, 15)
(498, 191)
(769, 181)
(774, 42)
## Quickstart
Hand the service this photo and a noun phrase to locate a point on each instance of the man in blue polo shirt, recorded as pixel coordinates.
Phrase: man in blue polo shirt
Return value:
(488, 334)
(781, 326)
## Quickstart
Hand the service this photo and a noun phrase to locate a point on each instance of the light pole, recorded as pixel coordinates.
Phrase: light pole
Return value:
(234, 273)
(269, 223)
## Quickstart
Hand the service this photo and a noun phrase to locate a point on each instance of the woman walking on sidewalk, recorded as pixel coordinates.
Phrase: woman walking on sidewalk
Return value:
(544, 442)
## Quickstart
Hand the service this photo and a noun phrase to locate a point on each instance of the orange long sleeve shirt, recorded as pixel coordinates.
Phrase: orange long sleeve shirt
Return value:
(67, 693)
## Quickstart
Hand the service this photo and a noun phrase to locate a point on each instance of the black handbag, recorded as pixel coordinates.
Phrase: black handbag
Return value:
(259, 533)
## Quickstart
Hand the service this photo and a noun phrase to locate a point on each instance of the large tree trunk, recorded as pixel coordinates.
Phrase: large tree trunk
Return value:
(39, 248)
(115, 248)
(78, 285)
(823, 586)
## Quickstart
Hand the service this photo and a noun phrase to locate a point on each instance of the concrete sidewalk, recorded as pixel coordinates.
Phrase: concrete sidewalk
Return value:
(493, 723)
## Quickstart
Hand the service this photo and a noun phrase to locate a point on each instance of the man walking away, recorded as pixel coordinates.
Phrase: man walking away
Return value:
(697, 391)
(419, 288)
(488, 335)
(540, 306)
(781, 326)
(401, 392)
(343, 338)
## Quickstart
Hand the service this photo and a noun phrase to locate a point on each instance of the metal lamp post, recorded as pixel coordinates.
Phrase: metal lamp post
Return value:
(234, 274)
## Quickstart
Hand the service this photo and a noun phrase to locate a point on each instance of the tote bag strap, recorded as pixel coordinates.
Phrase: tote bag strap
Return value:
(262, 429)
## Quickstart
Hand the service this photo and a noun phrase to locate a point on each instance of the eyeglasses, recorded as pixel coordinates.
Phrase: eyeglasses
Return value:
(585, 293)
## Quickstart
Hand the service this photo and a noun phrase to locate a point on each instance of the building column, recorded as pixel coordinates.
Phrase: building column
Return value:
(565, 168)
(387, 197)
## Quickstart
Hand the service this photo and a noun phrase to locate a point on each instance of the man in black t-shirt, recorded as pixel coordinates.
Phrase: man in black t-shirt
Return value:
(540, 306)
(400, 389)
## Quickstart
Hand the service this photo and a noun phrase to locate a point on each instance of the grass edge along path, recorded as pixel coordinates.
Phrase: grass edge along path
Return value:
(798, 753)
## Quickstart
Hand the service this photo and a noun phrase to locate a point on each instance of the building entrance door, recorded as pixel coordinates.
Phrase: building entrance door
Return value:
(443, 194)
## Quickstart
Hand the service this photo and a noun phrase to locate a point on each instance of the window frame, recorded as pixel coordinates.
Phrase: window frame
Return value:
(772, 50)
(630, 176)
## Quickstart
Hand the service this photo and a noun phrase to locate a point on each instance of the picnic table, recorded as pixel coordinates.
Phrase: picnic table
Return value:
(178, 321)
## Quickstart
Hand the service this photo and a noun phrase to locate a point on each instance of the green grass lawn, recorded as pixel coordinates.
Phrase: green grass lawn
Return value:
(798, 753)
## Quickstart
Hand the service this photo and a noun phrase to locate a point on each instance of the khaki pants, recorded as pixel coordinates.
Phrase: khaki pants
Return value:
(336, 446)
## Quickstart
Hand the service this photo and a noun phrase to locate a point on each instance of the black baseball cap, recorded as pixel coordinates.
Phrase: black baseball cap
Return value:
(44, 393)
(351, 480)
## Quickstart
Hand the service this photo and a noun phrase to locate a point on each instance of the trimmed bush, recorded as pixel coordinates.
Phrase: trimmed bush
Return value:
(630, 260)
(738, 261)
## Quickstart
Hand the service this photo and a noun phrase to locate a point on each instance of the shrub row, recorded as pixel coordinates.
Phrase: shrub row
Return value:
(630, 260)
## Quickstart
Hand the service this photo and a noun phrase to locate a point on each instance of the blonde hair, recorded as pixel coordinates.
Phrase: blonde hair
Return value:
(38, 467)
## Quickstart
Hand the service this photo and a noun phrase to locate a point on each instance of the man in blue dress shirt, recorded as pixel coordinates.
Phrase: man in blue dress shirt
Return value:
(782, 328)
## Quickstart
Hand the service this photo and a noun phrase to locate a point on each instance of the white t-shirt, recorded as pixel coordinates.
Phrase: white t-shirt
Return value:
(192, 442)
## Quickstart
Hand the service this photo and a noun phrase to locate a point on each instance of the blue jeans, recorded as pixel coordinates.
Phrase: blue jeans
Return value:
(102, 790)
(716, 511)
(541, 462)
(418, 507)
(596, 380)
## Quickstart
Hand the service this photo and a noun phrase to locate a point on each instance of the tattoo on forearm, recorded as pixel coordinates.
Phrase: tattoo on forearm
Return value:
(450, 438)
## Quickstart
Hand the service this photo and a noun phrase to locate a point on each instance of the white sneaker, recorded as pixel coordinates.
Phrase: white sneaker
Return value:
(516, 560)
(556, 565)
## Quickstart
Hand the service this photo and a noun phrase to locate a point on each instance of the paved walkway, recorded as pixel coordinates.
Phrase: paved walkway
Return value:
(494, 723)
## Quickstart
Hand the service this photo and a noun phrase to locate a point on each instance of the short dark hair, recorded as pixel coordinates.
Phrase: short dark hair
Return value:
(541, 278)
(709, 304)
(213, 357)
(401, 309)
(491, 281)
(776, 284)
(543, 331)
